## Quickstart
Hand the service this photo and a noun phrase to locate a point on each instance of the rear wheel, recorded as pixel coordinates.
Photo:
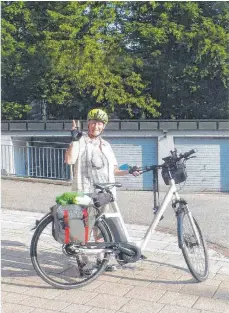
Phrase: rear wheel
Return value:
(68, 266)
(196, 255)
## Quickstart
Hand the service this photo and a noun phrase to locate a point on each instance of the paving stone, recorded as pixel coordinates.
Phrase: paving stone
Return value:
(43, 293)
(76, 296)
(155, 245)
(108, 302)
(188, 277)
(172, 247)
(222, 294)
(76, 308)
(99, 310)
(166, 269)
(43, 311)
(30, 281)
(221, 277)
(34, 302)
(211, 282)
(145, 293)
(168, 276)
(140, 306)
(166, 286)
(204, 311)
(158, 257)
(223, 262)
(215, 268)
(116, 289)
(136, 275)
(224, 270)
(13, 288)
(135, 282)
(177, 309)
(213, 305)
(3, 295)
(92, 286)
(225, 284)
(45, 304)
(12, 297)
(223, 291)
(199, 290)
(175, 297)
(16, 308)
(109, 278)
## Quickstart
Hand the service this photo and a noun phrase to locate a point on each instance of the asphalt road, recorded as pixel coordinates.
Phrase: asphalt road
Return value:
(210, 209)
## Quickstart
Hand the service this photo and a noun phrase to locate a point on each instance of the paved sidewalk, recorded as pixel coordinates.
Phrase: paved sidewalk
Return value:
(159, 284)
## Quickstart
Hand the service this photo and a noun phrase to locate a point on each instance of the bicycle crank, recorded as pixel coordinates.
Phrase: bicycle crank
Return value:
(127, 253)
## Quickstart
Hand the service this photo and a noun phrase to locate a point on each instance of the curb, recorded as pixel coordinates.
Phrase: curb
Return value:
(39, 180)
(69, 183)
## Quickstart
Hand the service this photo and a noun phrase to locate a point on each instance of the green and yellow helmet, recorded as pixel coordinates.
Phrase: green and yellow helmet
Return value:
(98, 114)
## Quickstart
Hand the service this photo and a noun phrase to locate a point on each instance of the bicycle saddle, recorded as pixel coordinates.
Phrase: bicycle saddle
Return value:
(103, 186)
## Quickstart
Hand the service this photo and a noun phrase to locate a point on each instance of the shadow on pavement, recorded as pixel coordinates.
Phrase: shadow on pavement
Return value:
(15, 260)
(16, 264)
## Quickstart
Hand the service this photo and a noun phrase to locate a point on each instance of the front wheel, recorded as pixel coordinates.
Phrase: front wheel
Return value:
(68, 266)
(195, 255)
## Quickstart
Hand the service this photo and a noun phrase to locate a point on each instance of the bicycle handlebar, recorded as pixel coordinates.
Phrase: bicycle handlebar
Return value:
(169, 160)
(187, 154)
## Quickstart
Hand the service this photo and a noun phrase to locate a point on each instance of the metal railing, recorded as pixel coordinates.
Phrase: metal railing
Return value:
(34, 161)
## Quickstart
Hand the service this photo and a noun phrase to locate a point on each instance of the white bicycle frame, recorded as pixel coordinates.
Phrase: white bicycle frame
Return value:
(170, 195)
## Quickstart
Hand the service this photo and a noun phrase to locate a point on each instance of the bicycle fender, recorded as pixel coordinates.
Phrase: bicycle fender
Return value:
(37, 222)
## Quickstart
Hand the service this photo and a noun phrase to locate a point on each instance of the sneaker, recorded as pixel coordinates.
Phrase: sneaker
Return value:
(89, 271)
(110, 268)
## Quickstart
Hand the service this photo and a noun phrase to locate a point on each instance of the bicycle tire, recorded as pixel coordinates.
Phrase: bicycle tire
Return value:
(45, 229)
(190, 248)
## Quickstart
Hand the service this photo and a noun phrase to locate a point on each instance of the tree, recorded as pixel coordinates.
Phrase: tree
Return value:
(136, 59)
(184, 47)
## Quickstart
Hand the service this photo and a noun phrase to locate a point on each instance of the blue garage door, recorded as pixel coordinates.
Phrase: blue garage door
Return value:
(210, 170)
(135, 151)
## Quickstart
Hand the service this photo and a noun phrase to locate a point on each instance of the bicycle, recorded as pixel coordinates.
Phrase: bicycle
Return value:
(82, 263)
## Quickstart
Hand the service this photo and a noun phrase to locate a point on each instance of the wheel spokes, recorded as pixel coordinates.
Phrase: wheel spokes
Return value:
(195, 251)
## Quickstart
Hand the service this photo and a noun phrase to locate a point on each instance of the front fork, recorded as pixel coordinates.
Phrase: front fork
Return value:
(181, 206)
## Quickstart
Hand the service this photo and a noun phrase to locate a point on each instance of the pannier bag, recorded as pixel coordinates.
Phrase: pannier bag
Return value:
(73, 218)
(179, 173)
(72, 223)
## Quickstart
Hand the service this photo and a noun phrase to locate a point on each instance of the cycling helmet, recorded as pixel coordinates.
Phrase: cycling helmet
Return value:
(98, 114)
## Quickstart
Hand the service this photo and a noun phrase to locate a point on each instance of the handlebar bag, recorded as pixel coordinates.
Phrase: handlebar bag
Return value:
(72, 223)
(178, 173)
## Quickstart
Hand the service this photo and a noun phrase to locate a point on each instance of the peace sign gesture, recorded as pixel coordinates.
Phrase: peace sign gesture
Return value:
(73, 124)
(75, 133)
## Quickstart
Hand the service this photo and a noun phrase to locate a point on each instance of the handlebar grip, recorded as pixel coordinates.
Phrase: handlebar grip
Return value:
(187, 154)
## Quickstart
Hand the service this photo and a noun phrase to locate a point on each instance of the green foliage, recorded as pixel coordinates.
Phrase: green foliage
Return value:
(137, 59)
(14, 111)
(68, 197)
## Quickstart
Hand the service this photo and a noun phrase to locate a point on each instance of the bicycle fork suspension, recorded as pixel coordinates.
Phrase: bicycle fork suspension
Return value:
(196, 233)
